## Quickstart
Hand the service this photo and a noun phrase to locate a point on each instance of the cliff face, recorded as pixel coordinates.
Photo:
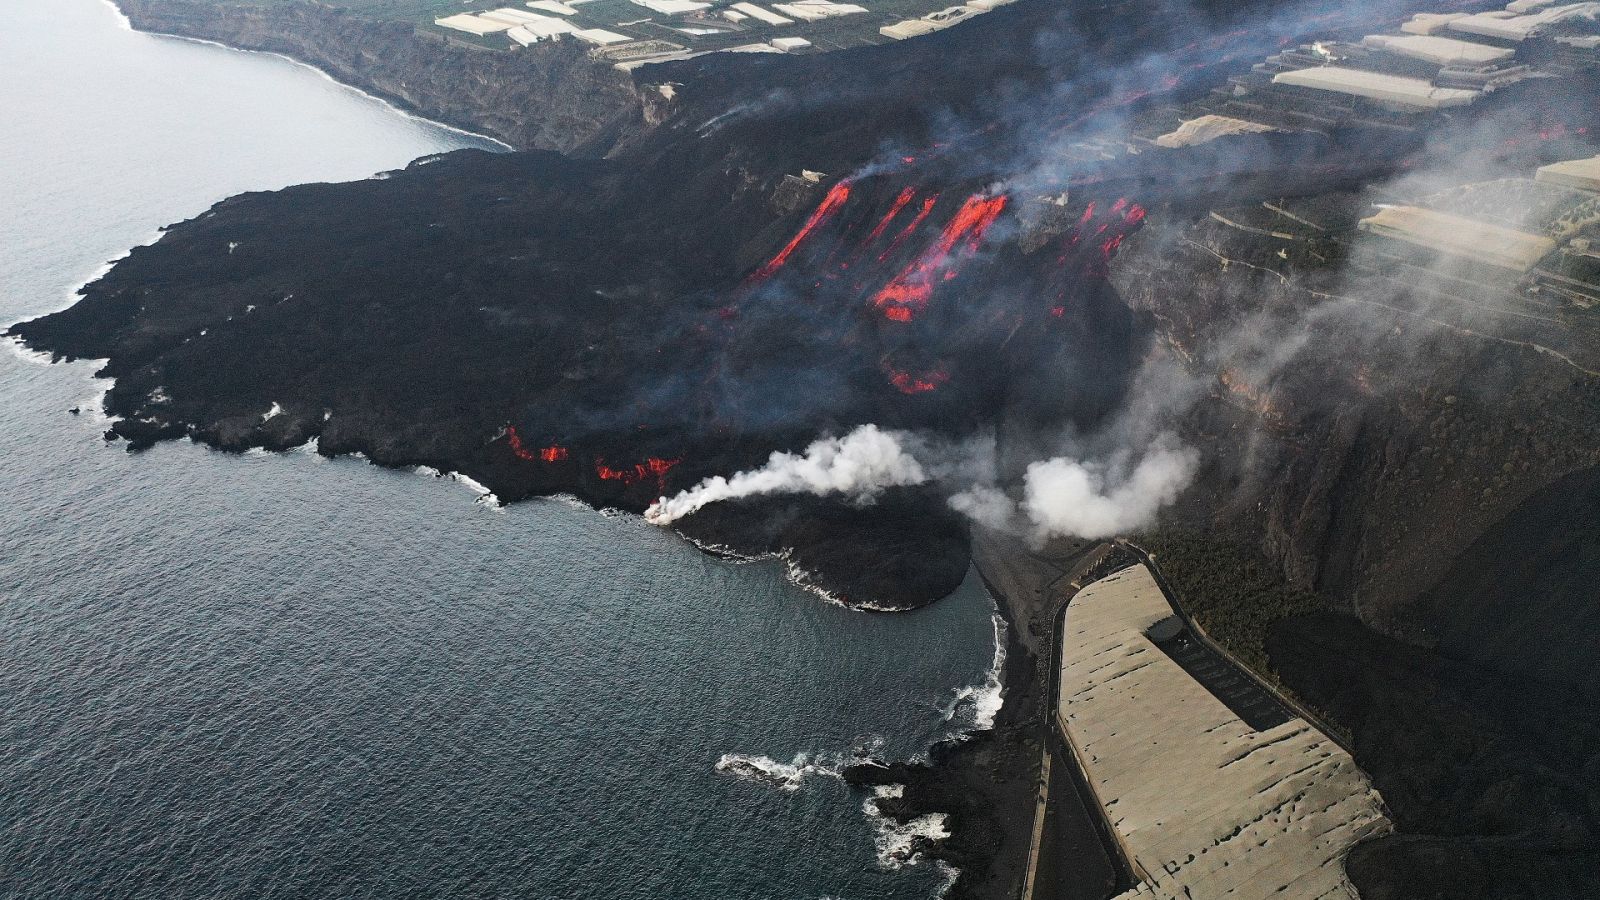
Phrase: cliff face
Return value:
(1363, 434)
(548, 97)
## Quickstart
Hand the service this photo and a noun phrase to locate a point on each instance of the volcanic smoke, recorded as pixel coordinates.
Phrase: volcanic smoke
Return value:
(1061, 496)
(860, 464)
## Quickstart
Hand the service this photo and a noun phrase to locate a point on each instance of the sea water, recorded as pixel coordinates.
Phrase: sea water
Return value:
(275, 675)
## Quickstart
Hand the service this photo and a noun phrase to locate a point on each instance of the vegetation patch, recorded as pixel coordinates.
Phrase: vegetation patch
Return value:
(1232, 591)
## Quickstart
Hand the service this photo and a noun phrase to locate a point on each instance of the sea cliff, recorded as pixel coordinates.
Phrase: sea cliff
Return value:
(551, 97)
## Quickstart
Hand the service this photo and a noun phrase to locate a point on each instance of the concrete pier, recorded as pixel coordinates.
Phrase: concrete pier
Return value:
(1204, 804)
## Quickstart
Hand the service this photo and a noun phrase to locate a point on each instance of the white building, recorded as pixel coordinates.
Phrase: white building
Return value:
(471, 24)
(1440, 51)
(1209, 128)
(910, 28)
(765, 15)
(1430, 23)
(600, 37)
(672, 7)
(1509, 26)
(1583, 174)
(1470, 239)
(817, 10)
(1394, 90)
(553, 6)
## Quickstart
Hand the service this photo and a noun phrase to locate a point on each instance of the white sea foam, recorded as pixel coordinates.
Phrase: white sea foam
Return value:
(485, 497)
(787, 776)
(310, 448)
(122, 18)
(978, 704)
(27, 354)
(791, 775)
(94, 408)
(899, 844)
(799, 577)
(568, 500)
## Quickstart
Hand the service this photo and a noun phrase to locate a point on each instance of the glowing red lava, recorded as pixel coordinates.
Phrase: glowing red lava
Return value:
(919, 382)
(899, 204)
(910, 229)
(1105, 230)
(652, 468)
(911, 290)
(830, 204)
(544, 454)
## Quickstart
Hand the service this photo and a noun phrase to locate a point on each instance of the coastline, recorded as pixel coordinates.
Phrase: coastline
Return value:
(988, 782)
(389, 102)
(556, 99)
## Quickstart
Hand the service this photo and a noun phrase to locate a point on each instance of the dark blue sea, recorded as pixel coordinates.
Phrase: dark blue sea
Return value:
(283, 676)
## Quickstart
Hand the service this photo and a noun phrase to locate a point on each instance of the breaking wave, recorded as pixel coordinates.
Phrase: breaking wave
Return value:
(791, 775)
(975, 706)
(787, 776)
(900, 844)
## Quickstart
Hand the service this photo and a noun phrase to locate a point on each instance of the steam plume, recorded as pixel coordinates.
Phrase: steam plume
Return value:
(1085, 499)
(1062, 496)
(860, 464)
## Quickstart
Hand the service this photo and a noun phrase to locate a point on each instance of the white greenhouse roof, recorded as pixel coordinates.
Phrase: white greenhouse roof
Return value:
(1415, 93)
(1577, 173)
(1460, 236)
(1439, 50)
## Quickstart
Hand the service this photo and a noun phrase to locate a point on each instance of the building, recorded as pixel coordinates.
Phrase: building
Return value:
(765, 15)
(1441, 51)
(1452, 235)
(471, 24)
(1583, 174)
(600, 37)
(1411, 94)
(1507, 25)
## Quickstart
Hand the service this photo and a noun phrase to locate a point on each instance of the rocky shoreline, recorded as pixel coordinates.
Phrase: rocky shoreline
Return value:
(553, 97)
(986, 783)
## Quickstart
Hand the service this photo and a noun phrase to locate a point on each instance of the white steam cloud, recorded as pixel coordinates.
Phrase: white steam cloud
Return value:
(1090, 500)
(859, 465)
(1061, 496)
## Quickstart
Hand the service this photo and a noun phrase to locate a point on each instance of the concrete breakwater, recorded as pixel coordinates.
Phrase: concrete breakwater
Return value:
(1210, 791)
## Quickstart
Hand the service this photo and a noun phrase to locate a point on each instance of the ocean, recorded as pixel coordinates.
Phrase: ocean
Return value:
(276, 675)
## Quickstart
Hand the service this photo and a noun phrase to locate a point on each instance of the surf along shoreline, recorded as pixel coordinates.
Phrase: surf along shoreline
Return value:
(984, 781)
